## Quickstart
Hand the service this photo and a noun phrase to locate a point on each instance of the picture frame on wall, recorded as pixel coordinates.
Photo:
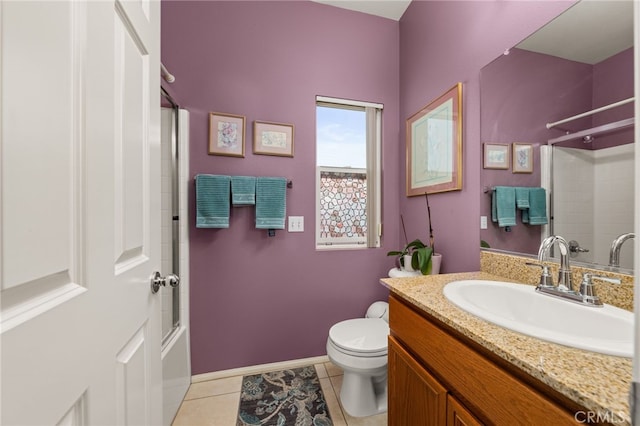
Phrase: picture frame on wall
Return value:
(496, 156)
(226, 134)
(273, 138)
(522, 158)
(434, 145)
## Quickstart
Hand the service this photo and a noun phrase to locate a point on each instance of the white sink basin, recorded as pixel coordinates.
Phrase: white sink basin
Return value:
(518, 307)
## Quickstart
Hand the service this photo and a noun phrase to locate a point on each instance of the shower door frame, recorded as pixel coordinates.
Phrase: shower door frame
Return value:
(175, 352)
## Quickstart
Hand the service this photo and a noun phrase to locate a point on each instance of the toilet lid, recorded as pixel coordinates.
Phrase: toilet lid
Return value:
(361, 335)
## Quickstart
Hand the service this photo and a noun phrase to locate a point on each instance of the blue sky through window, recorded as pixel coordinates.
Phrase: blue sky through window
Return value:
(340, 137)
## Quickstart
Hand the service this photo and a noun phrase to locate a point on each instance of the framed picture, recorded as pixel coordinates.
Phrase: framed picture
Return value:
(496, 156)
(273, 138)
(226, 134)
(434, 145)
(522, 154)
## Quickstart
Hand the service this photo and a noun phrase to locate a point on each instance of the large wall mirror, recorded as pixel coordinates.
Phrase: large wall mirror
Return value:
(579, 62)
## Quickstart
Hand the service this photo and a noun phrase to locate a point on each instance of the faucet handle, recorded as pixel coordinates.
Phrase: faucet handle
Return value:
(545, 278)
(587, 289)
(590, 276)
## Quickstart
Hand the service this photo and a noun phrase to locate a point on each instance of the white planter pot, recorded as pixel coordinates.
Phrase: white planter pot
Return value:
(407, 264)
(436, 260)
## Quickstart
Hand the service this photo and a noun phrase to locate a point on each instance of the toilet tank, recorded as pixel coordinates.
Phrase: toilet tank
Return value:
(378, 310)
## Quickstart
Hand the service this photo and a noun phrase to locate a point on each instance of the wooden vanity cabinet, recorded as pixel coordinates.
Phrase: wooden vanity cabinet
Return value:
(415, 397)
(439, 377)
(458, 415)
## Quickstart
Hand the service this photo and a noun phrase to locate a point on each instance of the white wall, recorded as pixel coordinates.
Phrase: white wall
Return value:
(613, 209)
(573, 197)
(593, 199)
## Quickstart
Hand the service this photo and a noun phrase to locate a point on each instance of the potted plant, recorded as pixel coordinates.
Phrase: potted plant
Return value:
(417, 255)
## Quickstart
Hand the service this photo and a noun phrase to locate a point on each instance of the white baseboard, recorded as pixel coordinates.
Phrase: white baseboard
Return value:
(255, 369)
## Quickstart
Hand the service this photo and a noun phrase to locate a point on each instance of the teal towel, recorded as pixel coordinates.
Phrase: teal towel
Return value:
(271, 202)
(212, 201)
(522, 202)
(538, 206)
(522, 198)
(503, 206)
(243, 190)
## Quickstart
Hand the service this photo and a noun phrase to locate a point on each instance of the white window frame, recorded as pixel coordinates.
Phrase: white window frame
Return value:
(373, 172)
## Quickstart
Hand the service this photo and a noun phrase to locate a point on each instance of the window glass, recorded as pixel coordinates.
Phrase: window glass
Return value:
(344, 175)
(341, 139)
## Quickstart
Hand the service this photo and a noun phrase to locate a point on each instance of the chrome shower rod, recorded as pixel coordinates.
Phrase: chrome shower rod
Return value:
(594, 111)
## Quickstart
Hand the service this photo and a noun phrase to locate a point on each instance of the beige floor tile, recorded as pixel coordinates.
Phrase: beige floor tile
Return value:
(221, 410)
(335, 410)
(332, 369)
(215, 402)
(377, 420)
(214, 387)
(336, 382)
(322, 372)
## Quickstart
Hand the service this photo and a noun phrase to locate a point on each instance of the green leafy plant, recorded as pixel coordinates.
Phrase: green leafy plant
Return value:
(419, 251)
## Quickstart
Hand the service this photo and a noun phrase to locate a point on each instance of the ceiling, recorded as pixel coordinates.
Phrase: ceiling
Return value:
(392, 9)
(589, 32)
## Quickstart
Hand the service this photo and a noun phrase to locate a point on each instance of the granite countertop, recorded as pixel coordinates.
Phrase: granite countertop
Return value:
(599, 383)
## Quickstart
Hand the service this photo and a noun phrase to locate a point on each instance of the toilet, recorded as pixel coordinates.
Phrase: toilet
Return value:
(359, 347)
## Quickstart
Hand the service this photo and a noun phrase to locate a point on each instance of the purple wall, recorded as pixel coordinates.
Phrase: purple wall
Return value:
(613, 82)
(256, 299)
(521, 92)
(441, 43)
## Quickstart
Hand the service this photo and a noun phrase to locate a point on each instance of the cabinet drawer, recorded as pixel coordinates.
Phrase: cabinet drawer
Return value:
(493, 394)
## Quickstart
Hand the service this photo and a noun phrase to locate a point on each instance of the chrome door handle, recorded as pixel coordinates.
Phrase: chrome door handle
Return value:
(158, 280)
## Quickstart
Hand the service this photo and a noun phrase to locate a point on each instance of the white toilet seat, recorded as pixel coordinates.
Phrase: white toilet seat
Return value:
(360, 337)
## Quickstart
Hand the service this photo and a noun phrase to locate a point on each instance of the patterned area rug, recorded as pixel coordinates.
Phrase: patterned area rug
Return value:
(283, 398)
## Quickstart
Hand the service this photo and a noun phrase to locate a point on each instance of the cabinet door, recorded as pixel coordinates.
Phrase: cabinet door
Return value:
(415, 397)
(458, 415)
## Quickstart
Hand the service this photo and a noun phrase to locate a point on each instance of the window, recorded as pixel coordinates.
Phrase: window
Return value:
(347, 173)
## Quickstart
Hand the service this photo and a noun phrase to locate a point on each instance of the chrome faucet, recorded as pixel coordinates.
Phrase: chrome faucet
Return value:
(564, 274)
(564, 289)
(614, 253)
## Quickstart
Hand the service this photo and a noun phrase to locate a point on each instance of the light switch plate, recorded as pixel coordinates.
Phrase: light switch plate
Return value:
(296, 224)
(483, 222)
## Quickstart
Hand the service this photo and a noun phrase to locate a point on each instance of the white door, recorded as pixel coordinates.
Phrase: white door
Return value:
(79, 214)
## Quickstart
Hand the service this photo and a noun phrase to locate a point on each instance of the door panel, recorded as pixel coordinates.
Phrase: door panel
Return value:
(132, 110)
(79, 198)
(41, 198)
(76, 414)
(133, 403)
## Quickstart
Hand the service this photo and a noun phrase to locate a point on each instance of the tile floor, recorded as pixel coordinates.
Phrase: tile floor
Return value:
(215, 402)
